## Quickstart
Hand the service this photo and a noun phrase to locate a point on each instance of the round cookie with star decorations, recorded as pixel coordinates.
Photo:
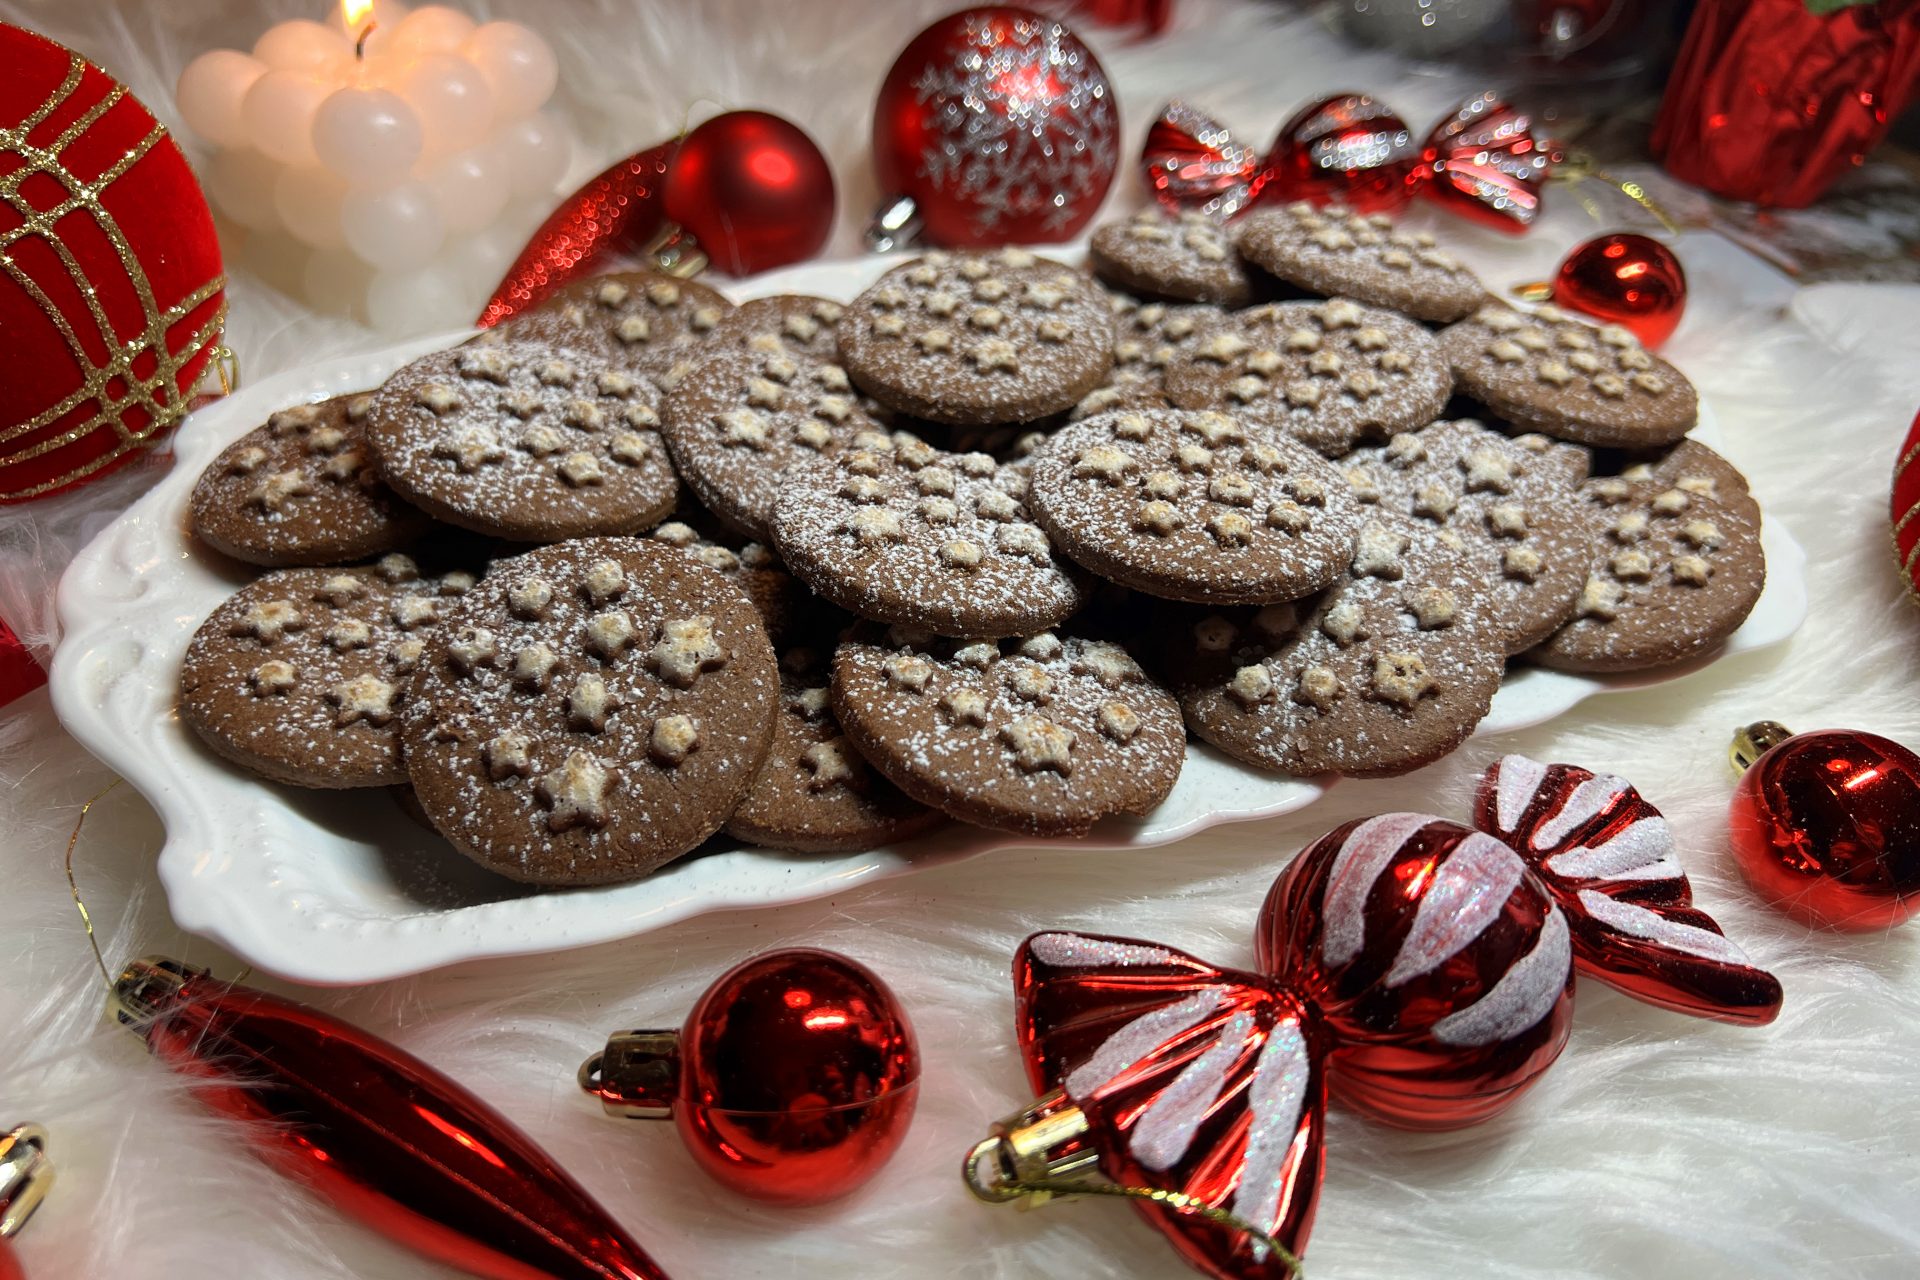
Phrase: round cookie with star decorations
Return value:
(898, 531)
(1335, 253)
(744, 416)
(524, 442)
(593, 710)
(1509, 505)
(1331, 374)
(1146, 337)
(1387, 670)
(1694, 468)
(1043, 736)
(300, 676)
(797, 324)
(975, 338)
(815, 793)
(1594, 385)
(1194, 505)
(1675, 573)
(639, 321)
(751, 566)
(302, 489)
(1189, 258)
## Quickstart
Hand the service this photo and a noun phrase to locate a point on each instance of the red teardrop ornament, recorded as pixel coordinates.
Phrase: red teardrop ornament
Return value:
(1483, 163)
(1628, 280)
(753, 189)
(1192, 163)
(1348, 149)
(793, 1079)
(1826, 826)
(378, 1133)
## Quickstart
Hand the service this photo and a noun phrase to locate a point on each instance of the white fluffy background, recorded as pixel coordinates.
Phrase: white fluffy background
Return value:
(1658, 1147)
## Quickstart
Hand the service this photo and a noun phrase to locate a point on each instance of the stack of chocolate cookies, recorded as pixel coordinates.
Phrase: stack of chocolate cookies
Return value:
(986, 543)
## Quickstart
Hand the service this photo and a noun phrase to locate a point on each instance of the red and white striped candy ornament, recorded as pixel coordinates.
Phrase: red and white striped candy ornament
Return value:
(1415, 966)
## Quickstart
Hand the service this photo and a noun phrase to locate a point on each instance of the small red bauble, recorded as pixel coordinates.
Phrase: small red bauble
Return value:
(1826, 825)
(1349, 149)
(753, 189)
(1482, 162)
(1628, 280)
(999, 126)
(793, 1079)
(112, 303)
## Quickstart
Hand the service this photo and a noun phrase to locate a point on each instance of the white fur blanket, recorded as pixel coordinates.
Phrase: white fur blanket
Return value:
(1657, 1147)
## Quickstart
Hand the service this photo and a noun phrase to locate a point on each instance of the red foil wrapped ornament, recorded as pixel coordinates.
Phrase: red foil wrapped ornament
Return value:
(1349, 149)
(1625, 279)
(1192, 163)
(1482, 163)
(1413, 966)
(1826, 825)
(793, 1079)
(753, 190)
(995, 125)
(114, 298)
(382, 1136)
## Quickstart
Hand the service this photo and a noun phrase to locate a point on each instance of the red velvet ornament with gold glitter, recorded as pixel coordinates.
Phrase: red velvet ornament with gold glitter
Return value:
(113, 297)
(792, 1080)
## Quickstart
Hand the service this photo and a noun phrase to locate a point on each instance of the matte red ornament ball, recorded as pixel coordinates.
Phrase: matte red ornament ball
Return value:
(753, 189)
(1348, 149)
(799, 1073)
(1826, 826)
(1625, 279)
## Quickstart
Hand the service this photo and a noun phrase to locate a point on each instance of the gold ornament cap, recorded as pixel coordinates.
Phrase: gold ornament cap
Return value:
(26, 1175)
(1752, 741)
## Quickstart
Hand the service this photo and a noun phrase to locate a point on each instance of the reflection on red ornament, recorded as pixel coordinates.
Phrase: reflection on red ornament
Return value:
(1482, 162)
(1192, 162)
(1628, 280)
(754, 191)
(793, 1079)
(1349, 149)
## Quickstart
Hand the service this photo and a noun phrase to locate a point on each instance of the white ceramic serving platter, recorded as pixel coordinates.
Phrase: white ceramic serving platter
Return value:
(334, 888)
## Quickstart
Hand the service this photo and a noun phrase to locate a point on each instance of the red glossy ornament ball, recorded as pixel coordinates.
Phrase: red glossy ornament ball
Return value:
(1628, 280)
(1348, 149)
(1439, 962)
(753, 189)
(1000, 126)
(1826, 826)
(798, 1076)
(9, 1263)
(110, 307)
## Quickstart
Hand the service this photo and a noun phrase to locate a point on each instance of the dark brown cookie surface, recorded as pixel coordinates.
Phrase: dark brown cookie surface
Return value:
(974, 338)
(1510, 507)
(1044, 735)
(815, 793)
(1146, 337)
(639, 321)
(1570, 379)
(798, 324)
(301, 489)
(913, 535)
(1694, 468)
(750, 566)
(1675, 573)
(523, 441)
(594, 709)
(1189, 258)
(1331, 374)
(1194, 505)
(1387, 670)
(302, 673)
(743, 416)
(1336, 253)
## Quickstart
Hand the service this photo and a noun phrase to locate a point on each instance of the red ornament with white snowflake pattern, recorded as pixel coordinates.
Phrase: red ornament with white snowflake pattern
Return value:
(999, 127)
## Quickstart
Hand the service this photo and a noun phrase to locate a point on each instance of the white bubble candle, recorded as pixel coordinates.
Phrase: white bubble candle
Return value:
(403, 154)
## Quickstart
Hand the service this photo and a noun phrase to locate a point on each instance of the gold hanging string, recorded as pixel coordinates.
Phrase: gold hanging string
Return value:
(1579, 167)
(73, 886)
(1178, 1201)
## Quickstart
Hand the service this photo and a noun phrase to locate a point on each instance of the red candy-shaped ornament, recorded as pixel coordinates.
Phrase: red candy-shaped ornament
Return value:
(793, 1079)
(1349, 149)
(1482, 163)
(1192, 163)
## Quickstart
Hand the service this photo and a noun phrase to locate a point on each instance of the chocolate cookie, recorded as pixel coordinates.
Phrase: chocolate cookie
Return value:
(1331, 374)
(1694, 468)
(1572, 380)
(592, 710)
(1194, 505)
(300, 675)
(752, 567)
(1189, 258)
(523, 442)
(1676, 573)
(937, 540)
(1510, 509)
(1389, 669)
(1043, 736)
(1146, 337)
(815, 793)
(972, 338)
(637, 321)
(794, 323)
(301, 490)
(1336, 253)
(742, 417)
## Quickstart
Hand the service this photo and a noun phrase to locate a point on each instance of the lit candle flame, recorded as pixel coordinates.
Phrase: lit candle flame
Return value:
(355, 11)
